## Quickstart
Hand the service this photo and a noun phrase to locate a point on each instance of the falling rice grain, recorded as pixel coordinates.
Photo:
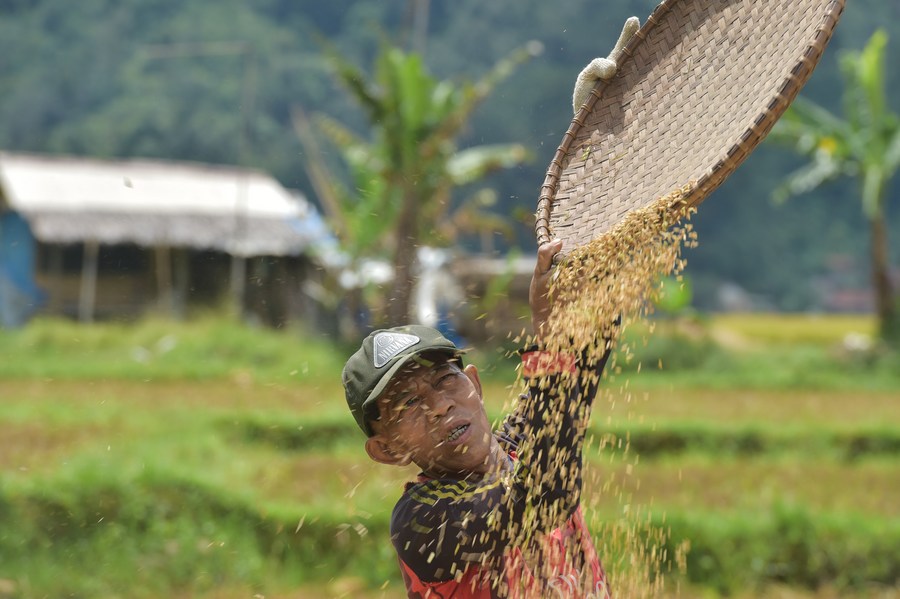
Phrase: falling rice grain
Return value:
(598, 291)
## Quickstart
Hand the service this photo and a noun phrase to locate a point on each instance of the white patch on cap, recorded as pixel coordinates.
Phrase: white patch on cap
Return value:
(388, 345)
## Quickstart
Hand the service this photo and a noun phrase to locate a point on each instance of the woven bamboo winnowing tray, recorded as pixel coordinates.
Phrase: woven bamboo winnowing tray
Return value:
(698, 87)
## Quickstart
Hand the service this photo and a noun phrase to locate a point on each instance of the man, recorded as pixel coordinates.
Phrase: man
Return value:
(492, 514)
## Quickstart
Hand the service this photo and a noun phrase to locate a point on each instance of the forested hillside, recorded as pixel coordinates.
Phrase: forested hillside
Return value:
(216, 81)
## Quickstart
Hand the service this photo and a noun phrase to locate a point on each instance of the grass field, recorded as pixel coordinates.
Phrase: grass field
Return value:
(211, 459)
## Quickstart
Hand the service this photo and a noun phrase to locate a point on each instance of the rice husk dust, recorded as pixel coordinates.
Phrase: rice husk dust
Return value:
(598, 290)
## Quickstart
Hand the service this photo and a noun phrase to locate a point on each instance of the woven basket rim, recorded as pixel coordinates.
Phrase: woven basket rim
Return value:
(785, 94)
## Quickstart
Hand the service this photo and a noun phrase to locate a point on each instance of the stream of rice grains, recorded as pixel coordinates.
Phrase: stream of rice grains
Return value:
(598, 291)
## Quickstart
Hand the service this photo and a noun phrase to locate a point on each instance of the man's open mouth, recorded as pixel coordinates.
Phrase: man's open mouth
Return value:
(456, 432)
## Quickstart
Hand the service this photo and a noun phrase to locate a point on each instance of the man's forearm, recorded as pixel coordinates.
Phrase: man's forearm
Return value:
(555, 416)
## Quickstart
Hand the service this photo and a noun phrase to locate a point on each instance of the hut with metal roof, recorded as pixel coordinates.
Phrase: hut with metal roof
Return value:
(114, 238)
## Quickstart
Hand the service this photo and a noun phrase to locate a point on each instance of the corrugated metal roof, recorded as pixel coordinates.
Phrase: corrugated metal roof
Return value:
(148, 202)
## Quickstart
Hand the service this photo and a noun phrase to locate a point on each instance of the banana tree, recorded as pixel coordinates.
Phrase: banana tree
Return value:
(864, 144)
(404, 171)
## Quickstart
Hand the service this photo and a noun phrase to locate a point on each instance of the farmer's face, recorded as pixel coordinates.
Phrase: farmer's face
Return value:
(433, 415)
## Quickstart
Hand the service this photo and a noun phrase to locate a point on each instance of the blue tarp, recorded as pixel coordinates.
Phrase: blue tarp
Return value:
(318, 238)
(19, 296)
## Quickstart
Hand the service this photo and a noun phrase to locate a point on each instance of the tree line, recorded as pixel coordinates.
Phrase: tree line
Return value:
(92, 80)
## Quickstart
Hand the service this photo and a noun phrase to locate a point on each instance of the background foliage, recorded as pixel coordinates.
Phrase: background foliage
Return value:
(211, 459)
(80, 79)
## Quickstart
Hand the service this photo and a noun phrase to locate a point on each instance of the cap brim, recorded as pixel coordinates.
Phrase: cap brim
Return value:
(388, 376)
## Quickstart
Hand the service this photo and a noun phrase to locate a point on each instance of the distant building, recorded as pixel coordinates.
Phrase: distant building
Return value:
(95, 238)
(496, 297)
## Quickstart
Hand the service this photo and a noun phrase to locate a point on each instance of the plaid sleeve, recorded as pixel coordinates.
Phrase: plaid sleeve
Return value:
(555, 413)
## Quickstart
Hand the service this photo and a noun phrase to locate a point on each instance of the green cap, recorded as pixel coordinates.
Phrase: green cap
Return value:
(383, 353)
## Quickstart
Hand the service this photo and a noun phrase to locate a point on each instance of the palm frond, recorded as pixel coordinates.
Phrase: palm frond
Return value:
(337, 131)
(472, 164)
(871, 76)
(473, 94)
(355, 80)
(807, 178)
(853, 99)
(806, 124)
(892, 153)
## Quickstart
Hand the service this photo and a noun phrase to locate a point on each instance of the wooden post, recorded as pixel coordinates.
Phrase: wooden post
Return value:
(164, 279)
(88, 294)
(238, 283)
(55, 252)
(181, 281)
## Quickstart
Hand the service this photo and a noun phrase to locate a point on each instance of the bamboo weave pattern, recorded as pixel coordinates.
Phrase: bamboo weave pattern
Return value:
(698, 87)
